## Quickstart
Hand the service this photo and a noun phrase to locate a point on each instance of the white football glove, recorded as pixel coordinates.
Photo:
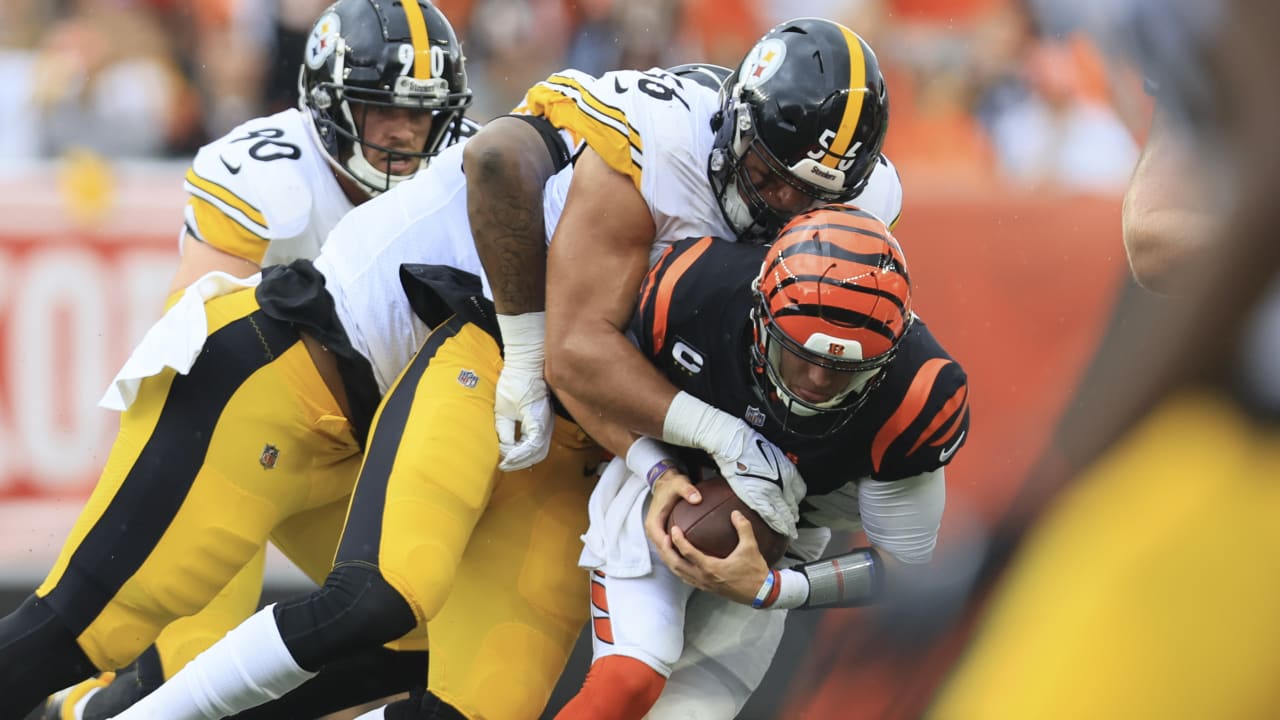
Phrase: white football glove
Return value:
(757, 470)
(522, 393)
(764, 478)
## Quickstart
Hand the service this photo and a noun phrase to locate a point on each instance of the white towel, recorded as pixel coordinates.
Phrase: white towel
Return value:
(175, 340)
(615, 541)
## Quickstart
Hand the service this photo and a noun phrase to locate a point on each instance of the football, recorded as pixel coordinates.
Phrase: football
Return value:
(709, 527)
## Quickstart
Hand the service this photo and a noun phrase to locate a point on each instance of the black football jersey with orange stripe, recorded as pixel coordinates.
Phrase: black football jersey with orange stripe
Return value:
(693, 322)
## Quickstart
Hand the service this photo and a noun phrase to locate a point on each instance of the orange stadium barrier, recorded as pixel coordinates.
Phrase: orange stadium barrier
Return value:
(1018, 288)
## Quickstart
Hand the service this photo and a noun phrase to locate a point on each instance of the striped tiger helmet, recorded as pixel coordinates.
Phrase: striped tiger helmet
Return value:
(810, 103)
(834, 291)
(364, 53)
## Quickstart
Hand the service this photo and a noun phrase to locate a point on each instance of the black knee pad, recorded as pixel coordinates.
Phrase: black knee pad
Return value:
(433, 708)
(39, 656)
(129, 686)
(355, 610)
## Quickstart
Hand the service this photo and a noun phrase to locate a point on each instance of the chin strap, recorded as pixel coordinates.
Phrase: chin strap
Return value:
(371, 178)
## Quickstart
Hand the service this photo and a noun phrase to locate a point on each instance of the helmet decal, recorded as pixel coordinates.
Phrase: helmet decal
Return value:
(421, 40)
(841, 149)
(762, 62)
(323, 41)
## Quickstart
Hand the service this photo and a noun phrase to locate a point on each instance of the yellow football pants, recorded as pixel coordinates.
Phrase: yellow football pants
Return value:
(487, 560)
(206, 467)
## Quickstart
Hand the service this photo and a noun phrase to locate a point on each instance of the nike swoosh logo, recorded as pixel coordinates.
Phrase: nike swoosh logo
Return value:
(946, 453)
(617, 87)
(233, 169)
(763, 447)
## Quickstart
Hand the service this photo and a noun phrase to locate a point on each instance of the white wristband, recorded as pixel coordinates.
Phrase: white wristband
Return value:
(793, 590)
(523, 336)
(645, 454)
(691, 422)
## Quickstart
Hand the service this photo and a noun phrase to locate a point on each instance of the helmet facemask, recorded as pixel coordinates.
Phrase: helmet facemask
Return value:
(792, 411)
(752, 218)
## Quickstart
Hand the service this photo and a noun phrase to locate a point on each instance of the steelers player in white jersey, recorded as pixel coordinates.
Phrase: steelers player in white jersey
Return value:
(382, 90)
(435, 536)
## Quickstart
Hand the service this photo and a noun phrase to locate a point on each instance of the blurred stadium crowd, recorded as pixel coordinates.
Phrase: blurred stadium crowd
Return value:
(981, 90)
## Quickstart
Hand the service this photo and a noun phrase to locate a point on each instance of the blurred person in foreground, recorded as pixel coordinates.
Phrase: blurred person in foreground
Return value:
(1147, 587)
(382, 91)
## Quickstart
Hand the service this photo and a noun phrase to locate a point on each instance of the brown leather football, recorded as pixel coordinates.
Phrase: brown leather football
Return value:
(708, 525)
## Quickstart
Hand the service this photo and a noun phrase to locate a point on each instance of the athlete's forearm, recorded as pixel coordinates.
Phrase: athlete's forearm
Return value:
(507, 164)
(610, 434)
(613, 385)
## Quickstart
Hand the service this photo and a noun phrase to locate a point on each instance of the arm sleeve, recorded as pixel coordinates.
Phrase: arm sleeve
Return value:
(902, 517)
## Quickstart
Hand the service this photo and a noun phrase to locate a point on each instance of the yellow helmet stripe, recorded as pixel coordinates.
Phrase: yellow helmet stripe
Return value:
(853, 101)
(421, 39)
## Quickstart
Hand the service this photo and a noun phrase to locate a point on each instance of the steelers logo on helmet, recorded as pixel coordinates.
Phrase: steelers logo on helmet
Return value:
(323, 40)
(833, 294)
(362, 55)
(762, 62)
(801, 123)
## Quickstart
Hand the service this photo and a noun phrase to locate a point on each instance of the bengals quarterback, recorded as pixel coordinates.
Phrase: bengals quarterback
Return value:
(813, 341)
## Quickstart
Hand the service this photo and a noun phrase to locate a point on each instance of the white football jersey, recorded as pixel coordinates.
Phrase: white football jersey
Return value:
(651, 126)
(422, 220)
(264, 191)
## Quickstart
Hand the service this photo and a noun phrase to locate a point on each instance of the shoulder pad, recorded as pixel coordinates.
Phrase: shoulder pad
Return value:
(928, 419)
(882, 195)
(615, 112)
(260, 176)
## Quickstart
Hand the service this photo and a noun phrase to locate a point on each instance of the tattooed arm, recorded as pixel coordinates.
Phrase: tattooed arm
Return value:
(507, 164)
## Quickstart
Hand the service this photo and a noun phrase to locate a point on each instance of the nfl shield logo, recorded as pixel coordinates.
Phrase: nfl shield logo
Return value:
(754, 416)
(468, 379)
(270, 455)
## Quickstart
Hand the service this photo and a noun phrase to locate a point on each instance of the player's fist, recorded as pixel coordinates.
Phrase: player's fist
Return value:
(521, 395)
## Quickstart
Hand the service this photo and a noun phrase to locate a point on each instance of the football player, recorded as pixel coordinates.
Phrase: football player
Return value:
(435, 537)
(383, 89)
(799, 123)
(813, 341)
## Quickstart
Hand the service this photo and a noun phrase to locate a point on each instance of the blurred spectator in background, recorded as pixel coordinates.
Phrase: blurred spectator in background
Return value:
(105, 78)
(290, 28)
(982, 91)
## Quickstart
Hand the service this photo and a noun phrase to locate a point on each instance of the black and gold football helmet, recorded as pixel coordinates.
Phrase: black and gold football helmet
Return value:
(810, 103)
(375, 53)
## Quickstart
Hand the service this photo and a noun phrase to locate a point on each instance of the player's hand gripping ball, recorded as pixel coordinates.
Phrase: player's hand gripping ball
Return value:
(709, 525)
